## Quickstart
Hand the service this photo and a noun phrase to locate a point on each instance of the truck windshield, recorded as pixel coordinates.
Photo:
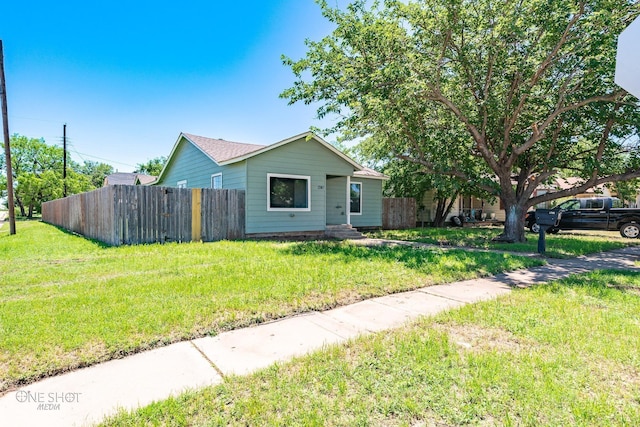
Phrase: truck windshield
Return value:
(569, 205)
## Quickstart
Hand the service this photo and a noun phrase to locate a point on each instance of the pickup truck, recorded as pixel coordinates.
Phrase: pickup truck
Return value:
(598, 213)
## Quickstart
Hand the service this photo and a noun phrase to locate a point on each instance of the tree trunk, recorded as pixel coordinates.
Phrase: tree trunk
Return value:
(23, 213)
(442, 210)
(438, 220)
(513, 224)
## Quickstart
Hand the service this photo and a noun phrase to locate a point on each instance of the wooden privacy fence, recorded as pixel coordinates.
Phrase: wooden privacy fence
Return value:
(398, 213)
(133, 214)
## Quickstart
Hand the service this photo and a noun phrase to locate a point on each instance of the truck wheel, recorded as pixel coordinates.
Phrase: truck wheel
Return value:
(534, 227)
(630, 230)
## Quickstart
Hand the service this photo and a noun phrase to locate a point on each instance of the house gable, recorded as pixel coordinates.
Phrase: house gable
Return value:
(301, 157)
(189, 163)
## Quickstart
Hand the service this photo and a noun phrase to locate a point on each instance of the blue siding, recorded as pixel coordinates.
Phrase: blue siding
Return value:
(307, 158)
(371, 203)
(234, 177)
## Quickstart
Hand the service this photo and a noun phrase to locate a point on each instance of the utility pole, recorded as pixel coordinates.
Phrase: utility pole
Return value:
(64, 160)
(7, 148)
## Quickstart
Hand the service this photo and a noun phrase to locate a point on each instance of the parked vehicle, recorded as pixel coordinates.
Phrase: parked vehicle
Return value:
(598, 213)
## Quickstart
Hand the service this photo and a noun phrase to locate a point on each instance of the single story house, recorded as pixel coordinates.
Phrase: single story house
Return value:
(298, 185)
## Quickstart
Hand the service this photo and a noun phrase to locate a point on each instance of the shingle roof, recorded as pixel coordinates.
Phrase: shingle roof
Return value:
(121, 178)
(126, 178)
(369, 173)
(146, 179)
(221, 150)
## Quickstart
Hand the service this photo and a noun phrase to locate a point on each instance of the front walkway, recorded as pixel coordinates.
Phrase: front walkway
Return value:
(87, 395)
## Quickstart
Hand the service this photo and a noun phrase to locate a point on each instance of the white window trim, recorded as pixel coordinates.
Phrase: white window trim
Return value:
(182, 183)
(360, 184)
(280, 175)
(213, 176)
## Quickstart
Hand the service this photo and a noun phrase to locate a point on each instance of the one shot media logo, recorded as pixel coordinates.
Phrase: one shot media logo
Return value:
(47, 401)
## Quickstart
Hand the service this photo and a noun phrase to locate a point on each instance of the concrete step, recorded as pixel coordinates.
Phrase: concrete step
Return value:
(342, 232)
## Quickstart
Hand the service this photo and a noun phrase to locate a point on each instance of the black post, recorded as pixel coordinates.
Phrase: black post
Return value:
(64, 160)
(542, 241)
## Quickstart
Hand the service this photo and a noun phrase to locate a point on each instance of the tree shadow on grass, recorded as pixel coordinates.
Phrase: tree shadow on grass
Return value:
(601, 283)
(423, 259)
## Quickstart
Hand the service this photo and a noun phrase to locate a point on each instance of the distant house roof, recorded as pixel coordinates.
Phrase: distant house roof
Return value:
(145, 179)
(228, 152)
(369, 173)
(125, 178)
(571, 182)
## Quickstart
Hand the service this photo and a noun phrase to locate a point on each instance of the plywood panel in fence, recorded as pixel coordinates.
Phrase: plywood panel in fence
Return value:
(398, 213)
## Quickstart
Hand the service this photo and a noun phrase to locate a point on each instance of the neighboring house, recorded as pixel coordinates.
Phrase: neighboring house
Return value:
(122, 178)
(469, 206)
(300, 184)
(472, 207)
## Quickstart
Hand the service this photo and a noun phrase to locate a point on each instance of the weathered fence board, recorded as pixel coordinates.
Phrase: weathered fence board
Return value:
(128, 214)
(398, 213)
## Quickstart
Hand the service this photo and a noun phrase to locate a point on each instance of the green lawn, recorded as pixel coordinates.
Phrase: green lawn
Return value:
(563, 245)
(559, 354)
(69, 302)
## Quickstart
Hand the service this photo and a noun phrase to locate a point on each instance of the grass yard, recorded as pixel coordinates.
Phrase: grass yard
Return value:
(562, 245)
(69, 302)
(559, 354)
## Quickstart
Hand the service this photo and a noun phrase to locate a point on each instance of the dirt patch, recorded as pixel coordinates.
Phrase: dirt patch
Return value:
(476, 338)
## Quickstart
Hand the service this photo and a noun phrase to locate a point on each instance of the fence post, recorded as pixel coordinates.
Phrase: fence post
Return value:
(196, 215)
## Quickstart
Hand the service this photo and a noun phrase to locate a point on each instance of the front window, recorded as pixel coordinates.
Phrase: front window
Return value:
(355, 196)
(288, 192)
(216, 181)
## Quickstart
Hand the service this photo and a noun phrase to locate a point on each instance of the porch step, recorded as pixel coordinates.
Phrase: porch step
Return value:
(342, 232)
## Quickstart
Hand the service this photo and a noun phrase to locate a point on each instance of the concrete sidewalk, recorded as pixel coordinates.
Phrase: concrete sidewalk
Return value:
(86, 396)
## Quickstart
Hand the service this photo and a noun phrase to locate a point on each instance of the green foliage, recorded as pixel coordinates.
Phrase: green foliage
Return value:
(153, 167)
(627, 190)
(96, 172)
(38, 175)
(504, 95)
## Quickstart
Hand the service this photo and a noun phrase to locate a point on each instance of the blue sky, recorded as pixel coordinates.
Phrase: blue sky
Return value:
(128, 76)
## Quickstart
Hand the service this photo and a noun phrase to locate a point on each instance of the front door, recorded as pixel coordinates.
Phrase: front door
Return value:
(337, 200)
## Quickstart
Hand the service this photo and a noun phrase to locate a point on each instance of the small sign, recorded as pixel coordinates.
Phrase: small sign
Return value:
(628, 60)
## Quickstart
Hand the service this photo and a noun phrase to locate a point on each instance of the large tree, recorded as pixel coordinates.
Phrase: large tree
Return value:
(524, 87)
(96, 171)
(37, 172)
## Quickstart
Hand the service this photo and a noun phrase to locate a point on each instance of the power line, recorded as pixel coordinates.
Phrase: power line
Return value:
(103, 159)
